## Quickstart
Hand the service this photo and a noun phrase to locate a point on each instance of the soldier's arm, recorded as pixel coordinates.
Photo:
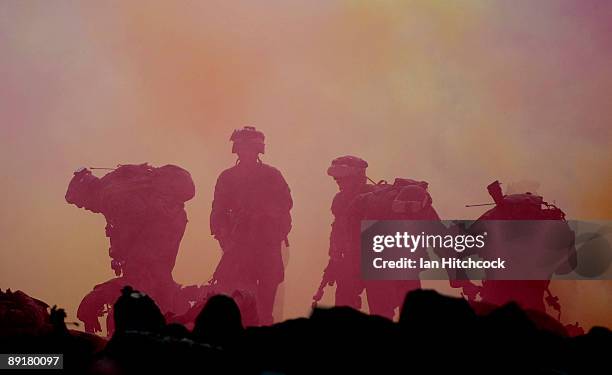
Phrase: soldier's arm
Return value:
(219, 215)
(335, 258)
(335, 250)
(284, 194)
(284, 204)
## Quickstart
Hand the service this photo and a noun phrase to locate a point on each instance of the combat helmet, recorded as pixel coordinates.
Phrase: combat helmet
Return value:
(248, 135)
(346, 166)
(83, 190)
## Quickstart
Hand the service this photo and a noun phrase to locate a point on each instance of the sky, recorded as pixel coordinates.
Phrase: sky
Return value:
(455, 93)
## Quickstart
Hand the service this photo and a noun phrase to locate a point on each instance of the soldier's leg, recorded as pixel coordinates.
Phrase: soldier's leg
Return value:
(348, 292)
(529, 294)
(89, 310)
(162, 288)
(266, 293)
(382, 297)
(385, 296)
(153, 259)
(268, 279)
(147, 277)
(235, 270)
(93, 304)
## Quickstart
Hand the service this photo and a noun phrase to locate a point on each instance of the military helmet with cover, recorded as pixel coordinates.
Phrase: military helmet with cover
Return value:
(347, 166)
(83, 190)
(248, 136)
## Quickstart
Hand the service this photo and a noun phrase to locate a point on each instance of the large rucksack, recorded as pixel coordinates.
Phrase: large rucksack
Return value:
(404, 199)
(170, 181)
(525, 206)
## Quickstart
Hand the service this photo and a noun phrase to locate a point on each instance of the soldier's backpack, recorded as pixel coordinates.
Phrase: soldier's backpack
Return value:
(404, 199)
(174, 181)
(170, 181)
(526, 206)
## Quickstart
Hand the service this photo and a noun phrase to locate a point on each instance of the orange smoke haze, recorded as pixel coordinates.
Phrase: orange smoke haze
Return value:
(457, 94)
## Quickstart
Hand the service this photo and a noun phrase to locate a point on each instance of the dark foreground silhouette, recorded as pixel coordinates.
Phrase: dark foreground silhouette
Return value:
(435, 334)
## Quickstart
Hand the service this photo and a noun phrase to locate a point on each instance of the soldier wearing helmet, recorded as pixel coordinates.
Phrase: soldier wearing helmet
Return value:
(548, 242)
(251, 219)
(144, 208)
(357, 200)
(349, 172)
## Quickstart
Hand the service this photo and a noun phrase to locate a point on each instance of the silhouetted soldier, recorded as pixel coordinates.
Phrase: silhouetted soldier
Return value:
(548, 247)
(145, 222)
(251, 218)
(357, 200)
(343, 268)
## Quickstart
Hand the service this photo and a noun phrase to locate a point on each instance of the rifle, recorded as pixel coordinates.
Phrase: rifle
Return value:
(480, 204)
(326, 279)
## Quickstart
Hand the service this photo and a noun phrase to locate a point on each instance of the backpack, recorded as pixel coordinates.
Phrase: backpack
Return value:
(170, 182)
(404, 199)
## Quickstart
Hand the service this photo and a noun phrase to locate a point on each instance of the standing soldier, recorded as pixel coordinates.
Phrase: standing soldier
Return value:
(251, 218)
(357, 200)
(343, 268)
